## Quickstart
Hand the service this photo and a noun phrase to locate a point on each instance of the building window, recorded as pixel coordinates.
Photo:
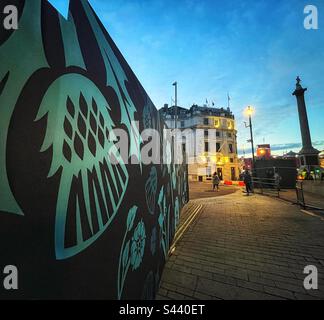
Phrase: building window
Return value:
(230, 146)
(232, 160)
(218, 134)
(217, 123)
(206, 147)
(182, 124)
(206, 121)
(229, 135)
(233, 174)
(206, 133)
(218, 147)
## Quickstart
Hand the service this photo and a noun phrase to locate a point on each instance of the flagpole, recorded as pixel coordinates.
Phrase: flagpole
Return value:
(176, 104)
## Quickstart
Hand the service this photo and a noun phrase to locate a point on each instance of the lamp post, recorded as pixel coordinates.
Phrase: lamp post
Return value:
(176, 104)
(249, 112)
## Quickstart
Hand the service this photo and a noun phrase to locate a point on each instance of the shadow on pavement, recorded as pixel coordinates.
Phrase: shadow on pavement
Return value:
(201, 190)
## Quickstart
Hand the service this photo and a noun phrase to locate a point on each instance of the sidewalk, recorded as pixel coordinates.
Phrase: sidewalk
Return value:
(200, 190)
(246, 248)
(311, 199)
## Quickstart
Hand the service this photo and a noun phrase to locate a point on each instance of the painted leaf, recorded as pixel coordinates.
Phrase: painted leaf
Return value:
(150, 190)
(131, 217)
(126, 254)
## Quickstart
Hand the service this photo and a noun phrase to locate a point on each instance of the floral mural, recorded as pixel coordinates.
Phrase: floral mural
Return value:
(79, 225)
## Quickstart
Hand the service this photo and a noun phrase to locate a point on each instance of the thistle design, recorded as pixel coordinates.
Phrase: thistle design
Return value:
(79, 130)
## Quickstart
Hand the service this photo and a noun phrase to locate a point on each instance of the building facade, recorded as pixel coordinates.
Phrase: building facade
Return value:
(209, 137)
(264, 151)
(321, 159)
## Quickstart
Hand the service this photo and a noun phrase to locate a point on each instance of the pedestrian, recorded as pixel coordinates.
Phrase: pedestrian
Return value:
(248, 182)
(278, 179)
(216, 181)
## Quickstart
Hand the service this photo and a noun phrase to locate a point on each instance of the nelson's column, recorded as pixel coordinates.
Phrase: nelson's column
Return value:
(307, 155)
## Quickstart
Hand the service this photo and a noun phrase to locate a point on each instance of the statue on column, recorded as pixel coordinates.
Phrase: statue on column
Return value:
(308, 155)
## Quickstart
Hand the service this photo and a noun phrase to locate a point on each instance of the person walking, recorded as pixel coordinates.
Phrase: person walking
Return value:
(216, 181)
(248, 182)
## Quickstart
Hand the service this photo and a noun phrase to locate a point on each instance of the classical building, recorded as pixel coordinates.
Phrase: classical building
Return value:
(209, 139)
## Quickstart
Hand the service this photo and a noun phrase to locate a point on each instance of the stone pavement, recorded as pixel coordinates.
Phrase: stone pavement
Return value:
(200, 190)
(246, 248)
(311, 199)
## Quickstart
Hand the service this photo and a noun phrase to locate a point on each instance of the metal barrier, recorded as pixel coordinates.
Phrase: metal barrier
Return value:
(306, 199)
(300, 194)
(270, 187)
(266, 186)
(288, 175)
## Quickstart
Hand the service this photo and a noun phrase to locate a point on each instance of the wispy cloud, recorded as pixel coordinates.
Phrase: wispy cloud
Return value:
(252, 49)
(286, 147)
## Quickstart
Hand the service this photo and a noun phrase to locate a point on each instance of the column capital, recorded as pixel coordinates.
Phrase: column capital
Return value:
(300, 91)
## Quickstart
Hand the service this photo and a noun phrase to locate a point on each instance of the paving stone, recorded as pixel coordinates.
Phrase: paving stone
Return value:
(181, 268)
(299, 296)
(167, 286)
(246, 248)
(229, 292)
(202, 296)
(250, 285)
(181, 279)
(175, 296)
(203, 274)
(224, 279)
(237, 274)
(162, 298)
(263, 281)
(282, 293)
(163, 292)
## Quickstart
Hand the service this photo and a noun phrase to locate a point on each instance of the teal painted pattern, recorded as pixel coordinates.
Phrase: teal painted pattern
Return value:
(151, 190)
(164, 222)
(71, 208)
(138, 246)
(132, 250)
(78, 131)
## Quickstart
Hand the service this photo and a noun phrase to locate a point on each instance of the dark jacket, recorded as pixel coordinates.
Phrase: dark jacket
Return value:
(216, 179)
(247, 178)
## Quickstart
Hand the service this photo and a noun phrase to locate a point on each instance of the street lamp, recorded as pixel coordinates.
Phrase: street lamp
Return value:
(249, 111)
(176, 104)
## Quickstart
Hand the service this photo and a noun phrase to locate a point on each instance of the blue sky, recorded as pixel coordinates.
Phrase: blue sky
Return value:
(252, 49)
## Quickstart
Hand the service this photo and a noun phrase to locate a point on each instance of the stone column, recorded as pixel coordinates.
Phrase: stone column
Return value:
(308, 155)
